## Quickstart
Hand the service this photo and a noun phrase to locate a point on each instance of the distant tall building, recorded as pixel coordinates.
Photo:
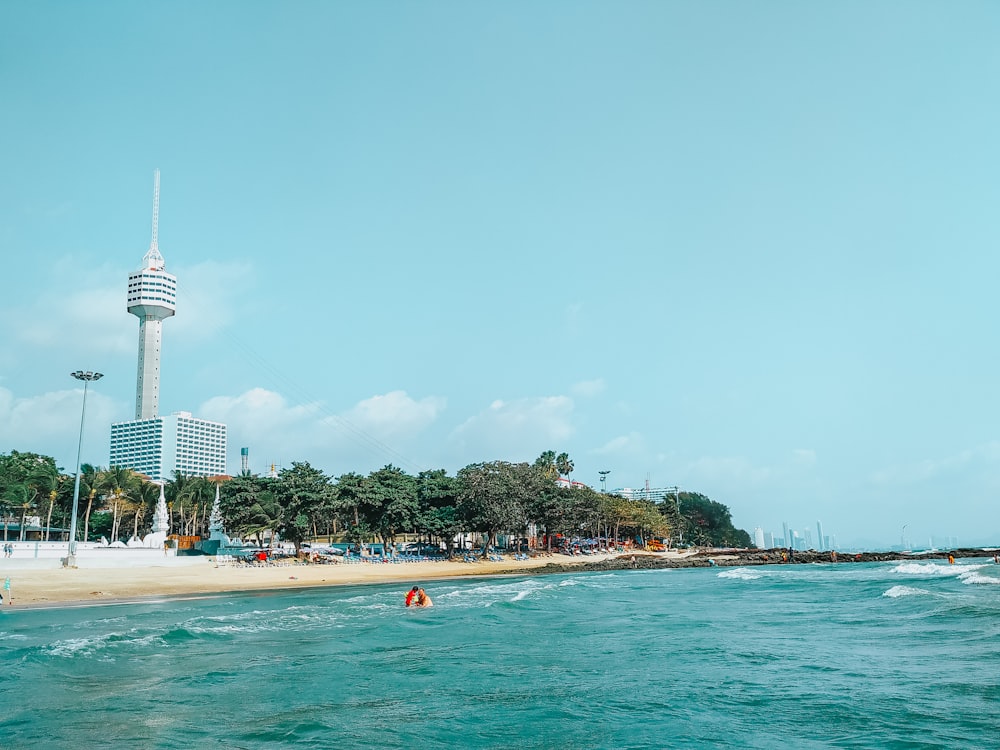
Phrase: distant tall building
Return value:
(758, 537)
(820, 540)
(153, 445)
(160, 446)
(152, 297)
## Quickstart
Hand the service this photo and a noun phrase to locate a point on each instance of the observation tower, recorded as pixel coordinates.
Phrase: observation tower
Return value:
(152, 297)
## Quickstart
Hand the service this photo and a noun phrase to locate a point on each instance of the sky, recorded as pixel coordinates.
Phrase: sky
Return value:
(746, 249)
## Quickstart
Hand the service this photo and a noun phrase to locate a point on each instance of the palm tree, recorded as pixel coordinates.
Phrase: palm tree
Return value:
(564, 465)
(546, 463)
(192, 497)
(19, 495)
(120, 486)
(146, 498)
(45, 480)
(90, 477)
(249, 505)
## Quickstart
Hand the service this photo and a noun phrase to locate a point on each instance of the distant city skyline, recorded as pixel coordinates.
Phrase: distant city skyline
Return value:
(743, 249)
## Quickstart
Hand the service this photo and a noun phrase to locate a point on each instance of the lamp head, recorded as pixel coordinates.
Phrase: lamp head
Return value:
(87, 375)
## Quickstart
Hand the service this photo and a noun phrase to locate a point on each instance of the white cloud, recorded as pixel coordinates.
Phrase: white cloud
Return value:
(49, 424)
(207, 298)
(375, 431)
(515, 430)
(81, 310)
(395, 414)
(589, 388)
(259, 411)
(78, 311)
(627, 445)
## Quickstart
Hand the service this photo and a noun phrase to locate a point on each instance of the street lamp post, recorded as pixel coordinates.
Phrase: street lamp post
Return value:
(87, 377)
(604, 479)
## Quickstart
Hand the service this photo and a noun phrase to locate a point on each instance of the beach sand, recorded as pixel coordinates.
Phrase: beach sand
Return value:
(185, 576)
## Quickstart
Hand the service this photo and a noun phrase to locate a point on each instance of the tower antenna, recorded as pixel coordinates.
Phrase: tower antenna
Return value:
(156, 209)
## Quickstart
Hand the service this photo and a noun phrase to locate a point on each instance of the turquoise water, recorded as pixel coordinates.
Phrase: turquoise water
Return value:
(887, 655)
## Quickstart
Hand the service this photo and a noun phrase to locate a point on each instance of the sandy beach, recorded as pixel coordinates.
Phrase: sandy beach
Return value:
(177, 577)
(185, 576)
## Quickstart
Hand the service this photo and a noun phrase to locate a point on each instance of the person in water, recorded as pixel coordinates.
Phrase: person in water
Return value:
(411, 595)
(423, 600)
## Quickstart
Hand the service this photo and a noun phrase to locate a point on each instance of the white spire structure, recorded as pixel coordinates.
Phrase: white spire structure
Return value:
(215, 519)
(161, 518)
(152, 297)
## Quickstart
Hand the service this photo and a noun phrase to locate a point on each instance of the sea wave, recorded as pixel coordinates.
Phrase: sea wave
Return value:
(933, 569)
(90, 646)
(486, 595)
(741, 574)
(974, 577)
(897, 591)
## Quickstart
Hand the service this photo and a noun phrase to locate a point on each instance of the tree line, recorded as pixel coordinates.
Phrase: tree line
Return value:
(301, 503)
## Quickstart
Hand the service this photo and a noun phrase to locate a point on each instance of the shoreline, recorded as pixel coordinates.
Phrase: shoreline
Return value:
(190, 578)
(195, 577)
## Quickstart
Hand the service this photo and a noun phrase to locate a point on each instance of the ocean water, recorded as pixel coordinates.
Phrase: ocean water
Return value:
(883, 655)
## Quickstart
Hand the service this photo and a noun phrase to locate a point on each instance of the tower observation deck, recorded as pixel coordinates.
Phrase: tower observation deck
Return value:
(152, 297)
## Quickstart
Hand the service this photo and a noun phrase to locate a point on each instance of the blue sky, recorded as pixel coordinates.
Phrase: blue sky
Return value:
(744, 248)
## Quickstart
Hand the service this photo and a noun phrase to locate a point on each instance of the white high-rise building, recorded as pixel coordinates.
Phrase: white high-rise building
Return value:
(153, 445)
(758, 537)
(160, 446)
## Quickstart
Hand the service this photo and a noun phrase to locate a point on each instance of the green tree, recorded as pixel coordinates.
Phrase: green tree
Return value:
(549, 507)
(709, 523)
(349, 489)
(144, 506)
(90, 477)
(304, 493)
(437, 515)
(494, 497)
(191, 498)
(564, 465)
(249, 506)
(25, 478)
(546, 464)
(390, 502)
(120, 486)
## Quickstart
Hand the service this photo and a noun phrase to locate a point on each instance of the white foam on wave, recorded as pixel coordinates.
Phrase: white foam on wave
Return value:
(487, 595)
(974, 577)
(741, 574)
(931, 569)
(259, 621)
(897, 591)
(71, 647)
